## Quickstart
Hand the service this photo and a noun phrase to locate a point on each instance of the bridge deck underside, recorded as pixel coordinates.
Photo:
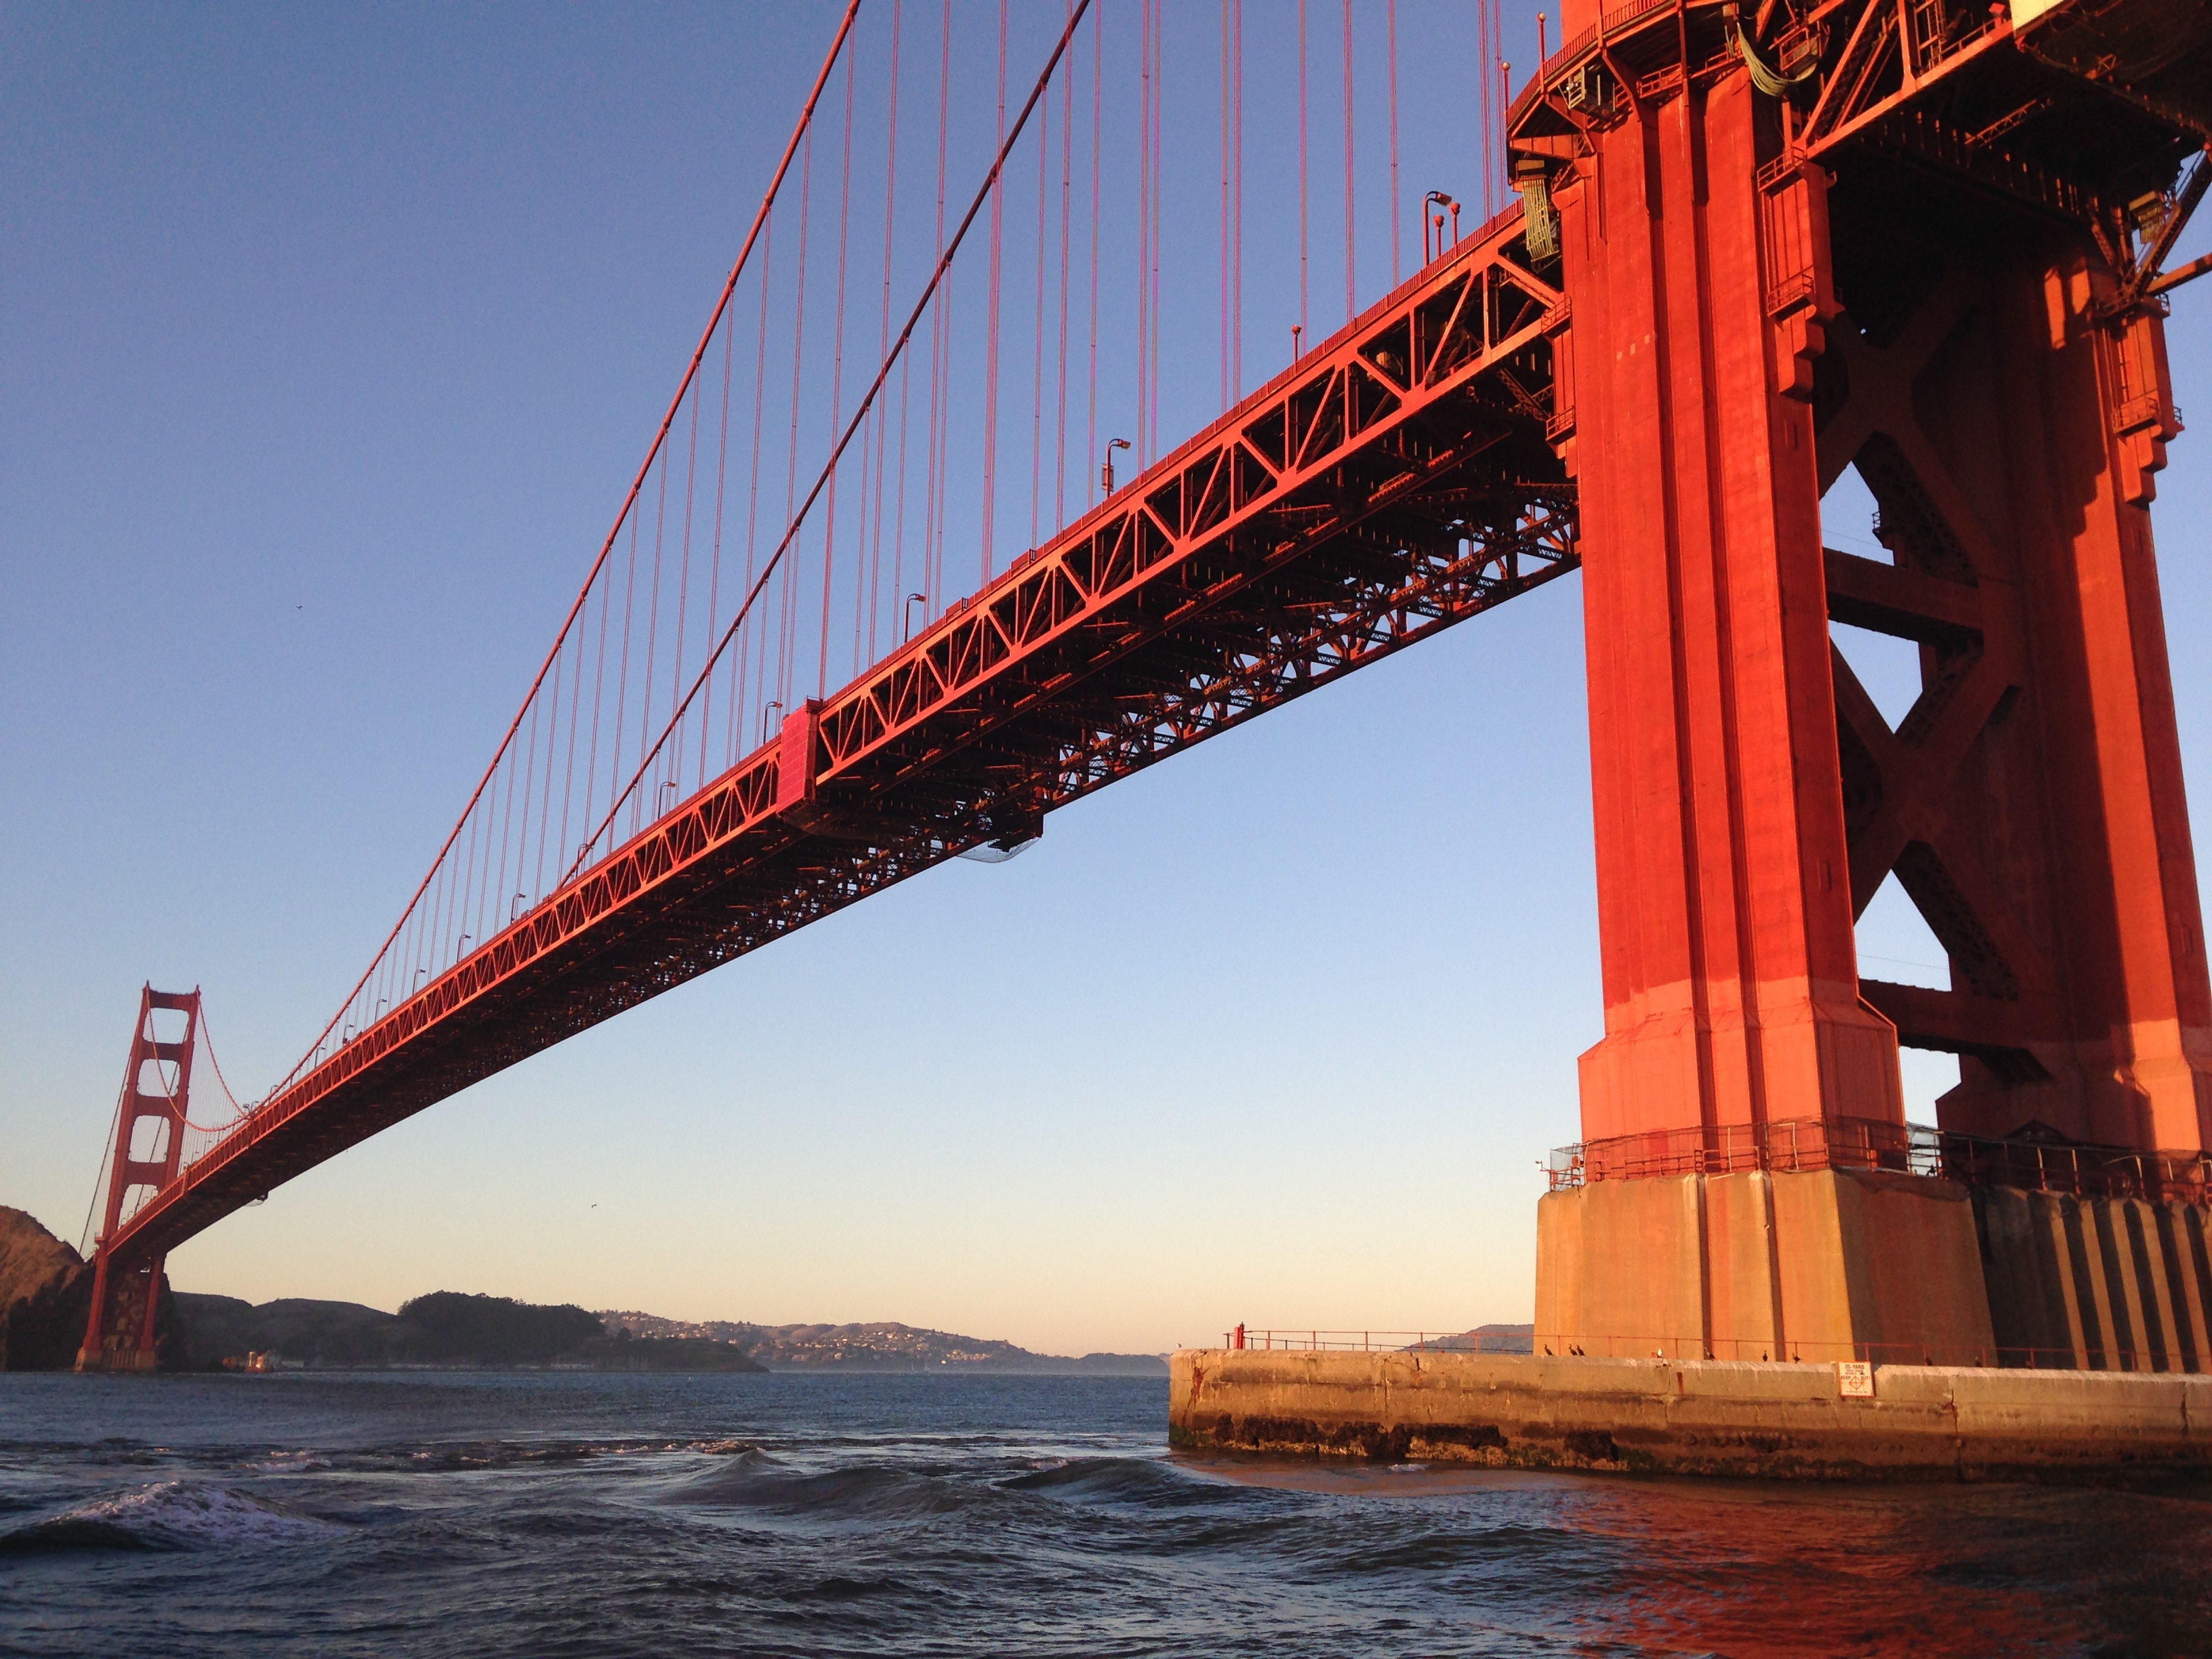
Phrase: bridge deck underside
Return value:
(1400, 479)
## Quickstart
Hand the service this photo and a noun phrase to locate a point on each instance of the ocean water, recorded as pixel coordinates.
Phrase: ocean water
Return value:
(564, 1514)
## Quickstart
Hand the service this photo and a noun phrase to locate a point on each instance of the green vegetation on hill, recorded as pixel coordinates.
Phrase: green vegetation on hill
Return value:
(443, 1329)
(494, 1330)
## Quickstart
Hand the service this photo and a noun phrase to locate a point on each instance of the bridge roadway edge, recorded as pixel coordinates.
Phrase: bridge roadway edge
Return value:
(1690, 1417)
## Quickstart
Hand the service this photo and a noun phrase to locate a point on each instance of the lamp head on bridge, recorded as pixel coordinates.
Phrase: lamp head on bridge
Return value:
(1432, 228)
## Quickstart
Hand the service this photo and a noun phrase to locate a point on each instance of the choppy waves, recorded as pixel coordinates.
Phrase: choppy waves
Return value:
(847, 1518)
(170, 1515)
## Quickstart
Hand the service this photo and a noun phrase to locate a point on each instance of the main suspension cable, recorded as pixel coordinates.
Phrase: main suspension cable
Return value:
(820, 482)
(652, 451)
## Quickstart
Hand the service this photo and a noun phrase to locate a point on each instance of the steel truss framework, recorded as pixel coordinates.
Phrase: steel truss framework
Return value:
(1398, 479)
(1963, 214)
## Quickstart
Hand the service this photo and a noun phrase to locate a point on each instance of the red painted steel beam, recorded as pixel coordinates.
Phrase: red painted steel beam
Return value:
(1400, 478)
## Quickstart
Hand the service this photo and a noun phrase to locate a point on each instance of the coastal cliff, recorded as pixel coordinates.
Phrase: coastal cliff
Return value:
(46, 1295)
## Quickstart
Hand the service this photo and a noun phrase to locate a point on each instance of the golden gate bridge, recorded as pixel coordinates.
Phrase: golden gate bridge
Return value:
(1722, 253)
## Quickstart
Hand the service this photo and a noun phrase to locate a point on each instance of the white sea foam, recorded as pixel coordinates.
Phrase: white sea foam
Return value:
(289, 1463)
(188, 1515)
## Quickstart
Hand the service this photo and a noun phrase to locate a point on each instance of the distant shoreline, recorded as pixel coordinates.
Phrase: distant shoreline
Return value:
(450, 1332)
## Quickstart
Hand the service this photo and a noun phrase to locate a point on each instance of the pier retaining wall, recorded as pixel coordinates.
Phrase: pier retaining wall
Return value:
(1689, 1416)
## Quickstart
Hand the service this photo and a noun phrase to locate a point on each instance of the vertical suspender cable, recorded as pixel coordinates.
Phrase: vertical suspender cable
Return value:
(1237, 203)
(622, 672)
(714, 577)
(1304, 320)
(1036, 341)
(1221, 321)
(1098, 106)
(836, 385)
(1486, 24)
(1144, 212)
(1397, 213)
(1350, 310)
(883, 346)
(652, 623)
(546, 787)
(741, 707)
(576, 723)
(683, 564)
(931, 548)
(1484, 58)
(1059, 379)
(991, 328)
(787, 621)
(683, 580)
(599, 699)
(1159, 192)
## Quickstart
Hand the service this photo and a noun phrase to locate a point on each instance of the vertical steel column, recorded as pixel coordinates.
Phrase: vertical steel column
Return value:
(1697, 255)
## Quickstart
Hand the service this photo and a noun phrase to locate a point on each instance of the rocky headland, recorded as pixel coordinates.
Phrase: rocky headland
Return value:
(45, 1296)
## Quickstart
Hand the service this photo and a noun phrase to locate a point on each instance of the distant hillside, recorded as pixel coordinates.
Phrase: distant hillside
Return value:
(881, 1347)
(443, 1329)
(1492, 1339)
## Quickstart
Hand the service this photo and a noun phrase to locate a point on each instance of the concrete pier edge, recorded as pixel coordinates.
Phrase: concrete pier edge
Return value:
(1692, 1416)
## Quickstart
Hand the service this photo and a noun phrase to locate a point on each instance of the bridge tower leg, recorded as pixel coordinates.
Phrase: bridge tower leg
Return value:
(149, 1125)
(2031, 802)
(1740, 339)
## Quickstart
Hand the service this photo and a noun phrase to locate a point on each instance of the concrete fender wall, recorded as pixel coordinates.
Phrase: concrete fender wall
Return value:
(1685, 1416)
(2113, 1284)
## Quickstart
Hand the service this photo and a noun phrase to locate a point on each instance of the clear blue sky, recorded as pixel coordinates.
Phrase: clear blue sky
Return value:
(329, 338)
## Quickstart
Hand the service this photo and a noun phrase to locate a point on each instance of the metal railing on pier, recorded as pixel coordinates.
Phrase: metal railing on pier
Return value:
(2036, 1165)
(2091, 1356)
(1320, 1341)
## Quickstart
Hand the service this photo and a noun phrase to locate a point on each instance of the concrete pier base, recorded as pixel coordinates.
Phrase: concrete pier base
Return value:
(1691, 1416)
(1816, 1265)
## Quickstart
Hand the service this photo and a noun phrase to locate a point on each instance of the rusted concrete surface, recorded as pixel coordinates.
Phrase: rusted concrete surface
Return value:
(1690, 1417)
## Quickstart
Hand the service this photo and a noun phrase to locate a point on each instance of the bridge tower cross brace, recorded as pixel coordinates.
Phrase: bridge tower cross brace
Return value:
(1749, 800)
(120, 1331)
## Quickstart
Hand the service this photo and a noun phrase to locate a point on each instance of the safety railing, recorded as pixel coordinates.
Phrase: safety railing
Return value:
(1320, 1341)
(2090, 1356)
(2038, 1165)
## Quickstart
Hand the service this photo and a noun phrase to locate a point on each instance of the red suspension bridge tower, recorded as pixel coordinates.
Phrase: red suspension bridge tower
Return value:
(1923, 242)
